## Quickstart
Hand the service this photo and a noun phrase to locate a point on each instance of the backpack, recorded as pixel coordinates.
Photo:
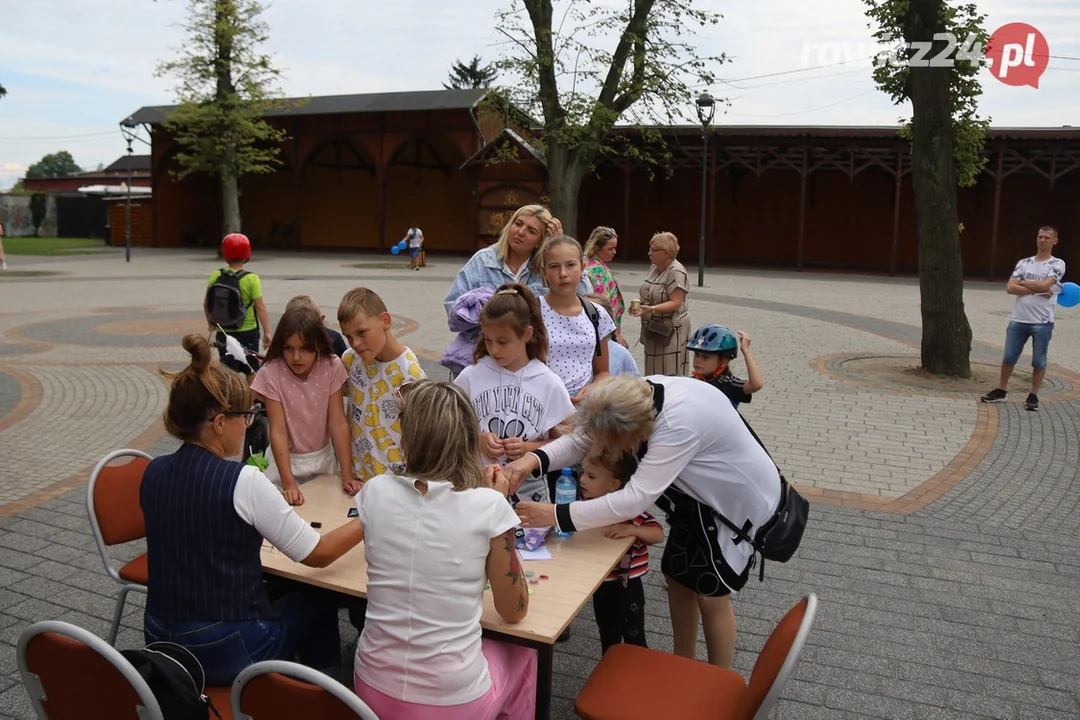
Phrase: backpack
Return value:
(224, 304)
(176, 678)
(594, 317)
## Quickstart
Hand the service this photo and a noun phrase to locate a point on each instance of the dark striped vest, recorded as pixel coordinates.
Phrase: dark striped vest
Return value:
(203, 558)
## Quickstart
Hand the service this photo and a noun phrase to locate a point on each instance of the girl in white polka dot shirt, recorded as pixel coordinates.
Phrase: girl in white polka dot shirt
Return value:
(577, 349)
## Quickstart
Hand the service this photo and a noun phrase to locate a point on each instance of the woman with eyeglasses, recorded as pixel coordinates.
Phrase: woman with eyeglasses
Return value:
(206, 520)
(599, 252)
(665, 316)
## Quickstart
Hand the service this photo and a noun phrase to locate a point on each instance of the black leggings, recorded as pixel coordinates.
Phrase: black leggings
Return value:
(620, 613)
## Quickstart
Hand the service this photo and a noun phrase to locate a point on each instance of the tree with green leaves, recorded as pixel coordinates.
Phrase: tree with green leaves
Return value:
(947, 137)
(564, 71)
(473, 75)
(3, 91)
(55, 164)
(224, 87)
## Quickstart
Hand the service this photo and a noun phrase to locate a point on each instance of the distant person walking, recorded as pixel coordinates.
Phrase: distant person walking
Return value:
(3, 258)
(1035, 282)
(415, 238)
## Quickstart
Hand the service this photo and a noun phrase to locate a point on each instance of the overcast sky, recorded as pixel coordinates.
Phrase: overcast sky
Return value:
(74, 68)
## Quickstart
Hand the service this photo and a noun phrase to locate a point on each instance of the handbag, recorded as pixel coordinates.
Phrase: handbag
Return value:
(779, 538)
(660, 329)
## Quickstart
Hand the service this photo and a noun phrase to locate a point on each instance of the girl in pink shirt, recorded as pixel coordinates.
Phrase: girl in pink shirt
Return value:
(301, 384)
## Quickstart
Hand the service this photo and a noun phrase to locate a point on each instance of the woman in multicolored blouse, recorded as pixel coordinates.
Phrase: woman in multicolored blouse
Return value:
(599, 251)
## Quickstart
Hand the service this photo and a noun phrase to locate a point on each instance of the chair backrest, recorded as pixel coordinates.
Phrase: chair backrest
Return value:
(72, 674)
(778, 659)
(112, 498)
(278, 689)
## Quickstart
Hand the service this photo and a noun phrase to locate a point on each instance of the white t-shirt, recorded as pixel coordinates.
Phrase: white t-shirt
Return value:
(416, 237)
(261, 505)
(1037, 309)
(572, 344)
(526, 404)
(426, 558)
(374, 428)
(702, 447)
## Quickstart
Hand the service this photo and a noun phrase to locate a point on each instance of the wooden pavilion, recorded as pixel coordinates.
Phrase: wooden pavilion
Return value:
(359, 169)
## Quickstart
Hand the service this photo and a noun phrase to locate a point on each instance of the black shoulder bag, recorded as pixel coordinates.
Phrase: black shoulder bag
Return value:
(779, 538)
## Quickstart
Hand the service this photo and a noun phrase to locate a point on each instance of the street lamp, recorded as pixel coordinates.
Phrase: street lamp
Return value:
(129, 136)
(706, 106)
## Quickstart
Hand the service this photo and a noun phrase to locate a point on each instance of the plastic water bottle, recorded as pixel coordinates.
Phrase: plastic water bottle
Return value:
(565, 492)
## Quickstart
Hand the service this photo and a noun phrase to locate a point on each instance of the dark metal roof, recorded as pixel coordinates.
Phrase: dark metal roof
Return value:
(505, 135)
(339, 104)
(130, 162)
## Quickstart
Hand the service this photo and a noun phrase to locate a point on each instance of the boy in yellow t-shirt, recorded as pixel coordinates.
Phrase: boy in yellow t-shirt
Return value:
(378, 364)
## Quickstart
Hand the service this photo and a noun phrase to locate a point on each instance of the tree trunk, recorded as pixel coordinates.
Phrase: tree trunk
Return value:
(946, 334)
(230, 203)
(565, 173)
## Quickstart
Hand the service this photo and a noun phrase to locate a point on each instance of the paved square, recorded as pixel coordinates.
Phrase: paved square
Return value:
(943, 540)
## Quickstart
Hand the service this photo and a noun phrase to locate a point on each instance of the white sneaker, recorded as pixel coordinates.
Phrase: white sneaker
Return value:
(3, 265)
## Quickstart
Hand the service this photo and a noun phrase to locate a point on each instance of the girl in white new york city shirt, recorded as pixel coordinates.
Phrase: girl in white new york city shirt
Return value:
(517, 398)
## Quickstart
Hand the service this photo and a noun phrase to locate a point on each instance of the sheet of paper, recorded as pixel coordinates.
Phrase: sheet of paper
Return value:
(540, 553)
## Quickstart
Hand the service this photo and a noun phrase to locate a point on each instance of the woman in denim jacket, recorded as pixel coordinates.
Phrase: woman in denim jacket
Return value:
(511, 259)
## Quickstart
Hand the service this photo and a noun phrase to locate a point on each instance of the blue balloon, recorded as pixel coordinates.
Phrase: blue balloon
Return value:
(402, 245)
(395, 250)
(1069, 295)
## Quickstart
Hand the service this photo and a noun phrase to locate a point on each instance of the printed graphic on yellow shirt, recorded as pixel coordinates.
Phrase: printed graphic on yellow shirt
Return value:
(373, 412)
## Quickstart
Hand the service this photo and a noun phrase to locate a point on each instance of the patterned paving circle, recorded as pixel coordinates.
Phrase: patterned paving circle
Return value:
(158, 329)
(10, 393)
(18, 349)
(851, 367)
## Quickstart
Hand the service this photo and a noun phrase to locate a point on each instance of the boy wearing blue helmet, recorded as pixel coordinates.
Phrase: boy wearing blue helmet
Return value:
(714, 347)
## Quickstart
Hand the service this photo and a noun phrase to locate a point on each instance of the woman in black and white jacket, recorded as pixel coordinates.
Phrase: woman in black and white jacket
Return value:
(697, 457)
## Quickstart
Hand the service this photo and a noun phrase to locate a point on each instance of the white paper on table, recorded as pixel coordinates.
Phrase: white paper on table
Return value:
(540, 553)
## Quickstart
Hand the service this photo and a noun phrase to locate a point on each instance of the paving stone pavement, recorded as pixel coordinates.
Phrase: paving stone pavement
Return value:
(966, 608)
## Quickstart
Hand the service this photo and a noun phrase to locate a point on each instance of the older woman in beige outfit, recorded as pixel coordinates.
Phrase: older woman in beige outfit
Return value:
(665, 316)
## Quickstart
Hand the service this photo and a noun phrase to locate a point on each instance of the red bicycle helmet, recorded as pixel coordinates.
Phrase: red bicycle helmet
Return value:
(235, 247)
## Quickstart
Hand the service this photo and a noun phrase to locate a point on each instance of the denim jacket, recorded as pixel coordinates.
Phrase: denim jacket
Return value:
(485, 269)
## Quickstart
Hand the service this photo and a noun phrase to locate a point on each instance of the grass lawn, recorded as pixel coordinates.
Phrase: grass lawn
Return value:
(51, 246)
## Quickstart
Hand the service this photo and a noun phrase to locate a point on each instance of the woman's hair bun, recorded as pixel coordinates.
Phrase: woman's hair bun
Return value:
(199, 349)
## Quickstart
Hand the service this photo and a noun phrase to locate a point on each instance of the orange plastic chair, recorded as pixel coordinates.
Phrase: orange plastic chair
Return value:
(116, 517)
(72, 674)
(687, 689)
(282, 690)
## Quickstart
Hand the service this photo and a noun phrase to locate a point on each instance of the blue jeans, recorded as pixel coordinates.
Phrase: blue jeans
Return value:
(1016, 336)
(307, 628)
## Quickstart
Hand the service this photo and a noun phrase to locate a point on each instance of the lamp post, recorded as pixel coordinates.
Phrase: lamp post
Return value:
(706, 106)
(129, 137)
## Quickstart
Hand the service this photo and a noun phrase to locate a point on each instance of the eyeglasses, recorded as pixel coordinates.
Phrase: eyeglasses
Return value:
(249, 415)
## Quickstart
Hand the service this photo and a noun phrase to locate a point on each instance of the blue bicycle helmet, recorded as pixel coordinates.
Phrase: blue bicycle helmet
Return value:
(715, 339)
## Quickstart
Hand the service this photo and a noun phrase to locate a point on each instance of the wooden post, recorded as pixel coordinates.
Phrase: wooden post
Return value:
(896, 212)
(997, 209)
(802, 207)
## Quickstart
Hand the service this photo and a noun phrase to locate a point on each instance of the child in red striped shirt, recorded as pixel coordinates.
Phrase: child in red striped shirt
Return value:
(619, 602)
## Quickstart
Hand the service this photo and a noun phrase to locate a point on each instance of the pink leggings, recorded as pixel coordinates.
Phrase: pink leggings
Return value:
(512, 695)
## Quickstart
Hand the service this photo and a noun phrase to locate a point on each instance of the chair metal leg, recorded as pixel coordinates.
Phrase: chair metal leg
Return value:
(118, 614)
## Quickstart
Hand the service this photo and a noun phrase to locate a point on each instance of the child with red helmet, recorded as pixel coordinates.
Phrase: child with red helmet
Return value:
(234, 301)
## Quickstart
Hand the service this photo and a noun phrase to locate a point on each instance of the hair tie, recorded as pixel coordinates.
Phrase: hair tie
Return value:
(507, 291)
